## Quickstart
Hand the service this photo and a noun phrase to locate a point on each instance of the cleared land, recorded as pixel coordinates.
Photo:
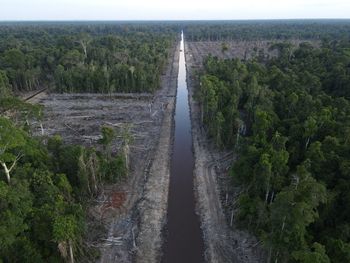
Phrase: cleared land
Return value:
(198, 51)
(126, 219)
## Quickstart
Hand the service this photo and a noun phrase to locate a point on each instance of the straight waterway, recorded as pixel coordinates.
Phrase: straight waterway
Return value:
(183, 235)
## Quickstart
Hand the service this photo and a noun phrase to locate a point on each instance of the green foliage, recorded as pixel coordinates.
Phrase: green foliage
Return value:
(114, 169)
(224, 47)
(42, 209)
(317, 255)
(288, 120)
(10, 138)
(101, 58)
(15, 204)
(108, 135)
(64, 228)
(5, 89)
(269, 29)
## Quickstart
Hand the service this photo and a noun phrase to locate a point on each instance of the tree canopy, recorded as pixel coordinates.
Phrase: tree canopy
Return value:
(288, 120)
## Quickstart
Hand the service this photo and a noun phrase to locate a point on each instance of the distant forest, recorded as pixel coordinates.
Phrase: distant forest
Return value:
(267, 30)
(83, 57)
(111, 57)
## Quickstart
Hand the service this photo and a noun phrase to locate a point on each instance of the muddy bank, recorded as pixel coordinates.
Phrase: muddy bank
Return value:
(222, 242)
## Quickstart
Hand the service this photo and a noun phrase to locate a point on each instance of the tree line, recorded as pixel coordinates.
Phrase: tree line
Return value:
(84, 57)
(266, 29)
(288, 120)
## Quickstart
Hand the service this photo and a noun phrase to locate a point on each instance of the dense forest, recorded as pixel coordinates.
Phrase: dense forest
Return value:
(44, 188)
(84, 57)
(266, 29)
(288, 120)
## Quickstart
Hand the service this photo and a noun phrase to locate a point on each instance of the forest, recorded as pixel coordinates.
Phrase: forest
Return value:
(266, 29)
(84, 57)
(288, 121)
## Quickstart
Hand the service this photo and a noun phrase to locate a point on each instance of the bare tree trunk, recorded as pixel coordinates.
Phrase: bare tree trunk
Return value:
(267, 192)
(202, 113)
(283, 225)
(307, 142)
(126, 155)
(71, 252)
(83, 45)
(272, 196)
(92, 168)
(231, 221)
(7, 172)
(269, 255)
(42, 129)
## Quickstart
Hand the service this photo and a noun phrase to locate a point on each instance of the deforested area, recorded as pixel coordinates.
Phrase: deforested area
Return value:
(75, 166)
(242, 49)
(174, 141)
(277, 148)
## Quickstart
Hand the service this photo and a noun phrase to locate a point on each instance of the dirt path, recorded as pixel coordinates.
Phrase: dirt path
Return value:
(222, 244)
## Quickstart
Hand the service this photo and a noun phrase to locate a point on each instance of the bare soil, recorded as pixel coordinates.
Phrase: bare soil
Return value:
(237, 49)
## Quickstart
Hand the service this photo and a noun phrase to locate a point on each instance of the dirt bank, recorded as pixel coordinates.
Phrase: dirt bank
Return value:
(153, 206)
(222, 243)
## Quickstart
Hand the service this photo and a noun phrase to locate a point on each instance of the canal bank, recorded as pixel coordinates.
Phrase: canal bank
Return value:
(151, 209)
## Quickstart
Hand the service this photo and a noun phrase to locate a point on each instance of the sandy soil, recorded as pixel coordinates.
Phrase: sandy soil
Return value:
(130, 232)
(223, 243)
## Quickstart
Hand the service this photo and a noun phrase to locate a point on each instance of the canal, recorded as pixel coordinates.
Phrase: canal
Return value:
(183, 236)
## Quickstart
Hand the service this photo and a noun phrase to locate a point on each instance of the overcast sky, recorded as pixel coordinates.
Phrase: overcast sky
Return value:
(171, 10)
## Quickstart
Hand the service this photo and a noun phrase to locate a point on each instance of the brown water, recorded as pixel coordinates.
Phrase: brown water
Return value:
(183, 235)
